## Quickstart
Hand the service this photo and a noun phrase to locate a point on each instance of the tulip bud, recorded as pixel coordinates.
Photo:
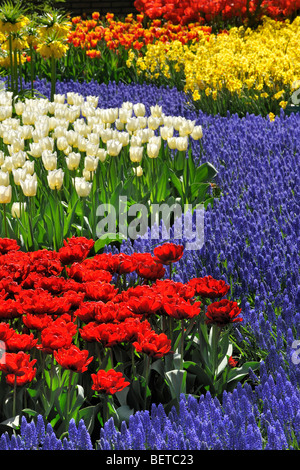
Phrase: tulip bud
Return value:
(17, 208)
(138, 171)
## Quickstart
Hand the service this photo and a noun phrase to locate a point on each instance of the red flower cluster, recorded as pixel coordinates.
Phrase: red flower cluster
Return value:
(189, 11)
(62, 299)
(108, 382)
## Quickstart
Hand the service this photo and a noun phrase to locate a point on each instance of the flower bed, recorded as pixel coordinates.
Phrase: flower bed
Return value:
(145, 343)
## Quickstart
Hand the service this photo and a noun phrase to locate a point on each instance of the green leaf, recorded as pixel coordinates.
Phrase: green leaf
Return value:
(176, 380)
(205, 173)
(124, 412)
(106, 239)
(240, 372)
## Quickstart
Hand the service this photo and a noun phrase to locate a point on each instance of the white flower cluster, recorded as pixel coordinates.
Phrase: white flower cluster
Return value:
(75, 128)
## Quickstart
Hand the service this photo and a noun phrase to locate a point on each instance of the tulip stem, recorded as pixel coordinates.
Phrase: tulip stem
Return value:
(182, 344)
(146, 375)
(31, 69)
(15, 396)
(69, 392)
(53, 78)
(5, 221)
(216, 331)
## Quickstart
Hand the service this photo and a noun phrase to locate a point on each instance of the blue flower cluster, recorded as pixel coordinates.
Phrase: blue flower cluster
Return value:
(41, 436)
(251, 240)
(266, 417)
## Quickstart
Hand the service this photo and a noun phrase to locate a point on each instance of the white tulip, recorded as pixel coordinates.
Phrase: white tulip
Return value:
(91, 163)
(91, 149)
(135, 141)
(139, 109)
(124, 115)
(152, 150)
(119, 125)
(18, 175)
(7, 164)
(62, 143)
(26, 132)
(182, 143)
(60, 99)
(197, 133)
(94, 138)
(138, 171)
(17, 208)
(172, 142)
(132, 124)
(106, 135)
(155, 139)
(71, 137)
(35, 149)
(145, 134)
(123, 138)
(81, 143)
(166, 132)
(186, 127)
(17, 145)
(19, 107)
(101, 154)
(2, 157)
(92, 100)
(29, 167)
(136, 154)
(4, 178)
(153, 122)
(49, 160)
(82, 187)
(5, 194)
(156, 111)
(109, 116)
(29, 185)
(113, 147)
(73, 160)
(55, 179)
(18, 159)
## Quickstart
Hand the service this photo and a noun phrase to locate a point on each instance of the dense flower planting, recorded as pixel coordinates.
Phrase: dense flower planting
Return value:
(252, 65)
(189, 10)
(146, 343)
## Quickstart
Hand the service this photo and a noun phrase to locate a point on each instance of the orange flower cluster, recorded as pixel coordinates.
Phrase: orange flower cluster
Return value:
(129, 33)
(186, 11)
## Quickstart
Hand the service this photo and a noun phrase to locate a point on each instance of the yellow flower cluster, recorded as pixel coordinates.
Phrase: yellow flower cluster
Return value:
(54, 48)
(265, 60)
